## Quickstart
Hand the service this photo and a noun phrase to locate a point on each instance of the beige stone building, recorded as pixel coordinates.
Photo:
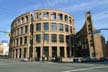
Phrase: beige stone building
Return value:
(89, 44)
(51, 33)
(45, 33)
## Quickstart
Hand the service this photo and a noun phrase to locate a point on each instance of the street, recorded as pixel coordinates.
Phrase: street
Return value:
(15, 66)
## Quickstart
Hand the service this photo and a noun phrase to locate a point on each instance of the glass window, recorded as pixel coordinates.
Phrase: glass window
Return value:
(38, 15)
(53, 16)
(26, 29)
(21, 30)
(46, 51)
(53, 26)
(20, 41)
(18, 21)
(54, 37)
(61, 51)
(46, 26)
(54, 51)
(38, 27)
(27, 19)
(45, 15)
(46, 38)
(22, 19)
(38, 38)
(25, 40)
(17, 42)
(60, 27)
(60, 17)
(61, 38)
(70, 29)
(66, 18)
(66, 28)
(70, 19)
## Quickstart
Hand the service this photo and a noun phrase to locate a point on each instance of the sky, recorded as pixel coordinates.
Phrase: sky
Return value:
(10, 9)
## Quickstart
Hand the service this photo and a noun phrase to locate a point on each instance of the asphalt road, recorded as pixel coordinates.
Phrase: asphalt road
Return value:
(15, 66)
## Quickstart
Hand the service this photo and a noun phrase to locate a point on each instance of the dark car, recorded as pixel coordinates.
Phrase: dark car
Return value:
(86, 59)
(103, 59)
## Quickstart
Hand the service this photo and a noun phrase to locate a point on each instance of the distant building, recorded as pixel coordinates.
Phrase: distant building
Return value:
(89, 44)
(4, 48)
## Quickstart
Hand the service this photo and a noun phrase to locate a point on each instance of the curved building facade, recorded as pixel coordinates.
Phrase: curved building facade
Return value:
(46, 33)
(89, 43)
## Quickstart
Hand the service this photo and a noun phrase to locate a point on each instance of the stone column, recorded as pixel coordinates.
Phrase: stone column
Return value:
(14, 53)
(27, 53)
(50, 52)
(58, 51)
(63, 17)
(34, 53)
(56, 16)
(65, 52)
(22, 53)
(41, 52)
(18, 53)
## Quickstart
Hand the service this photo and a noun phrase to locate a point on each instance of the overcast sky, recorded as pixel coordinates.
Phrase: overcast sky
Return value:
(10, 9)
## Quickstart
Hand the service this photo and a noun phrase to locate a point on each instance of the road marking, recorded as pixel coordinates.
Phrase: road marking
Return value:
(82, 69)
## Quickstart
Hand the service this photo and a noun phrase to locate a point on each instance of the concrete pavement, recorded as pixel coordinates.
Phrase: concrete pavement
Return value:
(15, 66)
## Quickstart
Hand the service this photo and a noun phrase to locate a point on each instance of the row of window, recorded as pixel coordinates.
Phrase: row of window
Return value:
(39, 37)
(22, 20)
(46, 38)
(18, 52)
(23, 30)
(53, 16)
(53, 27)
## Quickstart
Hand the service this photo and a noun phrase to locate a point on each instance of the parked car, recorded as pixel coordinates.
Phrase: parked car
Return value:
(86, 59)
(24, 59)
(103, 59)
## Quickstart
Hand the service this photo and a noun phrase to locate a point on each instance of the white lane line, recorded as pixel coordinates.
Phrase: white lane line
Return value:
(82, 69)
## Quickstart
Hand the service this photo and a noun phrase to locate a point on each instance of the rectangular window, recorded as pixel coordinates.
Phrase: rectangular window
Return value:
(20, 41)
(45, 15)
(38, 27)
(66, 28)
(21, 30)
(25, 40)
(54, 38)
(17, 41)
(46, 26)
(46, 38)
(60, 27)
(70, 20)
(38, 15)
(61, 38)
(61, 51)
(60, 17)
(27, 19)
(66, 18)
(54, 51)
(38, 38)
(53, 16)
(46, 51)
(26, 29)
(53, 26)
(70, 29)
